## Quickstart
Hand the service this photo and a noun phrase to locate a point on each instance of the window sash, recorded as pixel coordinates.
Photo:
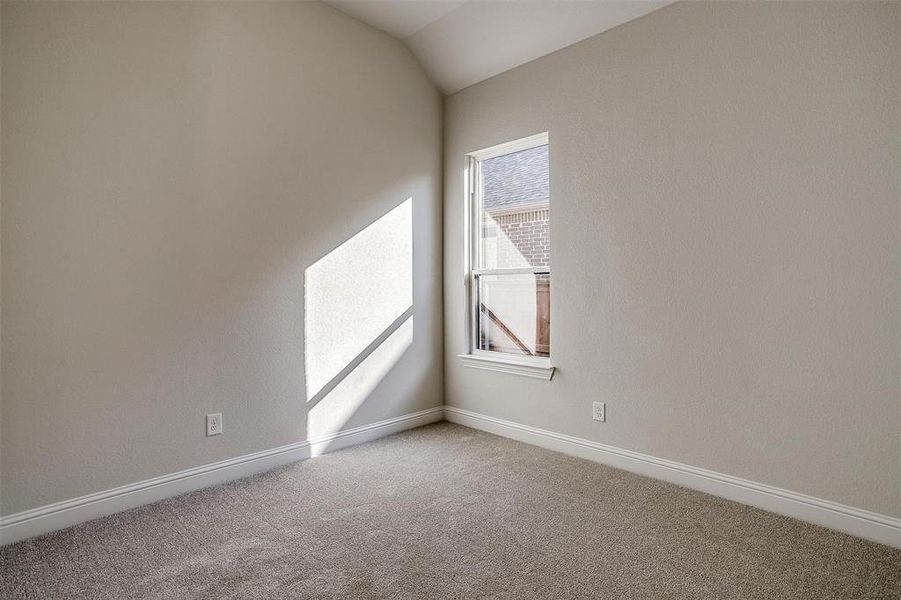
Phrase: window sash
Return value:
(526, 353)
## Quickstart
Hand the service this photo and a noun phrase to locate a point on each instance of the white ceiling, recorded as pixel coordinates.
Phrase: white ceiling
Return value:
(400, 18)
(462, 42)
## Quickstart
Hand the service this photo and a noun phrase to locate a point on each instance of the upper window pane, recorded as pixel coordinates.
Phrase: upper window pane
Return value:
(514, 210)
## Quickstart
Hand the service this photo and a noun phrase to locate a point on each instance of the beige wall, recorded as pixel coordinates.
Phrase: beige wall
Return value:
(170, 172)
(725, 241)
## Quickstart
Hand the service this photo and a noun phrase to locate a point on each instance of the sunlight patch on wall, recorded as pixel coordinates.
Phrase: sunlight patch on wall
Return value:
(338, 406)
(357, 317)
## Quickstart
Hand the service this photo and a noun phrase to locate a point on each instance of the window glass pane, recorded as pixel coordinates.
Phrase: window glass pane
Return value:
(514, 210)
(514, 314)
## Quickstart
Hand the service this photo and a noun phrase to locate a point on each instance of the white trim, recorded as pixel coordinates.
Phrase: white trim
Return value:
(374, 431)
(540, 368)
(472, 228)
(862, 523)
(66, 513)
(526, 143)
(869, 525)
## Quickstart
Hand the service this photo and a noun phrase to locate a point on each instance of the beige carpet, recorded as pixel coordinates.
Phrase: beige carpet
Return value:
(448, 512)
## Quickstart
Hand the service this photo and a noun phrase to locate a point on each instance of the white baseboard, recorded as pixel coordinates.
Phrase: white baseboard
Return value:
(59, 515)
(862, 523)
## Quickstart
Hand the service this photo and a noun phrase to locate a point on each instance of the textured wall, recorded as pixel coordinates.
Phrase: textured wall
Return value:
(724, 233)
(171, 170)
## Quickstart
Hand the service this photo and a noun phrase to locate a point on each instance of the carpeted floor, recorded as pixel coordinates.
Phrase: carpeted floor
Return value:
(448, 512)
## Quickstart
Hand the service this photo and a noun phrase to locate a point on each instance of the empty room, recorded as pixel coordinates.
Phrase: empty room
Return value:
(450, 299)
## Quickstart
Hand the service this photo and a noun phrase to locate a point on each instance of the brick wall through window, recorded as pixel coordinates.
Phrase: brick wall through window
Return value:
(525, 237)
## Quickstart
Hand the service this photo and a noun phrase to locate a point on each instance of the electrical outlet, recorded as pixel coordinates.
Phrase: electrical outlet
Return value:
(213, 424)
(599, 411)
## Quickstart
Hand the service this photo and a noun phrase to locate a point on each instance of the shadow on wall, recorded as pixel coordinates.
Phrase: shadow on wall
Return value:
(358, 319)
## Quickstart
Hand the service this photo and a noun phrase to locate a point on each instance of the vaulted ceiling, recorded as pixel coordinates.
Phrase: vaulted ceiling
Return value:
(462, 42)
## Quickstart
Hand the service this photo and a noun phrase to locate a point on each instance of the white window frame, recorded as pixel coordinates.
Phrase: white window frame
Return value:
(531, 366)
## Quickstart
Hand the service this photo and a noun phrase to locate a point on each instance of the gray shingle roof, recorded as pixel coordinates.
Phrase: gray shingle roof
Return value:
(520, 178)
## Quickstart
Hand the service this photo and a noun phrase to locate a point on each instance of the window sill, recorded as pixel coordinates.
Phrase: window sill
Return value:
(537, 368)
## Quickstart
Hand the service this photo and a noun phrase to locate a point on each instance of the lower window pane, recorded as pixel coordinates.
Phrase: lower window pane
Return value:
(514, 314)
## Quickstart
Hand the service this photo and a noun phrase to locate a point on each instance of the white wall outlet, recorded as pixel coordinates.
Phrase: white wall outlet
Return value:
(599, 411)
(213, 424)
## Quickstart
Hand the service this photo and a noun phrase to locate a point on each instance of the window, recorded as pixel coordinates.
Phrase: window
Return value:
(509, 279)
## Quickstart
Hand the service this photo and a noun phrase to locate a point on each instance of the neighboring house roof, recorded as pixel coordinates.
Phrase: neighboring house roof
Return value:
(514, 180)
